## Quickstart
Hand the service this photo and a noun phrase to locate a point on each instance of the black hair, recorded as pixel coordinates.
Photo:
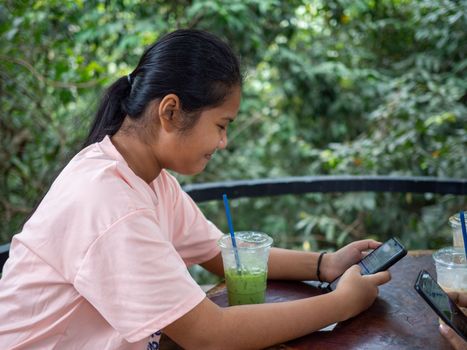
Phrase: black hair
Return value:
(195, 65)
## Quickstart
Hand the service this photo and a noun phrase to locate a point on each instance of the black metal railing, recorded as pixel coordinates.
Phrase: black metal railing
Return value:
(309, 184)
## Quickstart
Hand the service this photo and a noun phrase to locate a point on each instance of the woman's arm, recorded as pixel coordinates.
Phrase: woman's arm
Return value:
(208, 326)
(214, 265)
(299, 265)
(282, 264)
(292, 264)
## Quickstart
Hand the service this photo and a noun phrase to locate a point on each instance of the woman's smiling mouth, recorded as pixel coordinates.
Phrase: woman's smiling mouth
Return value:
(208, 156)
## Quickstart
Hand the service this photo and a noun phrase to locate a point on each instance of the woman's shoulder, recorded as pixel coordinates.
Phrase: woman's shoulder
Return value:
(94, 182)
(165, 181)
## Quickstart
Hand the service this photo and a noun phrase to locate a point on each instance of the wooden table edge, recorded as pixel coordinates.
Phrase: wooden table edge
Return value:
(421, 252)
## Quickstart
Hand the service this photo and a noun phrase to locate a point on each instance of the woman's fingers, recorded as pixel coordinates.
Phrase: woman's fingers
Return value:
(456, 341)
(454, 296)
(380, 277)
(459, 298)
(367, 244)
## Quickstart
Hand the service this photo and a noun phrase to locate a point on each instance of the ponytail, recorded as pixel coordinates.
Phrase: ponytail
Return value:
(111, 112)
(195, 65)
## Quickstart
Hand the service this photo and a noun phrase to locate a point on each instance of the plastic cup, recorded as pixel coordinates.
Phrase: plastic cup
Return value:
(246, 285)
(451, 270)
(455, 223)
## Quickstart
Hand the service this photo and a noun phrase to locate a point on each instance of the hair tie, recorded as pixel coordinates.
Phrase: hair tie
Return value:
(128, 77)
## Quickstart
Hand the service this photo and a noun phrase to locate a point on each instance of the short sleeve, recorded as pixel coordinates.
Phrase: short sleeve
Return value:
(194, 237)
(197, 237)
(135, 278)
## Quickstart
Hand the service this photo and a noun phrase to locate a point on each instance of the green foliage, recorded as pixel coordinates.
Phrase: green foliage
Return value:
(355, 87)
(332, 87)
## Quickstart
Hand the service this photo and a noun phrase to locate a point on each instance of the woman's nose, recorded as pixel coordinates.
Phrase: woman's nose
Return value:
(223, 141)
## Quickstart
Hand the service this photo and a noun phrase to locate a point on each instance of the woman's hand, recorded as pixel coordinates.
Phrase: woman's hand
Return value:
(335, 264)
(358, 291)
(456, 341)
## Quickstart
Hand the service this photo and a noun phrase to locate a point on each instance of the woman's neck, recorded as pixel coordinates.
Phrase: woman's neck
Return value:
(138, 155)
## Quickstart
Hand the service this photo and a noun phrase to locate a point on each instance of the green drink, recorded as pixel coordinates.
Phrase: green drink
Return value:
(250, 257)
(245, 288)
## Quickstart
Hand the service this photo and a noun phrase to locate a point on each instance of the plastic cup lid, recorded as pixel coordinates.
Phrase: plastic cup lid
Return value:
(455, 221)
(247, 240)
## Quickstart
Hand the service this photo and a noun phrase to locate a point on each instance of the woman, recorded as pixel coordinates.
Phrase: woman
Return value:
(102, 263)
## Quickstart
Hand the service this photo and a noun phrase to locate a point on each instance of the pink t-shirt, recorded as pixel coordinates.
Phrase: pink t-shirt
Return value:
(102, 263)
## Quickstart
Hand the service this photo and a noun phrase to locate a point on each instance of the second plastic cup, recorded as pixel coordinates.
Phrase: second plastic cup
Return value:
(246, 285)
(451, 270)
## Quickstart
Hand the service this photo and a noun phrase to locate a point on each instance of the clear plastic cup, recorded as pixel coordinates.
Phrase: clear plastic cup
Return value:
(455, 223)
(451, 270)
(246, 285)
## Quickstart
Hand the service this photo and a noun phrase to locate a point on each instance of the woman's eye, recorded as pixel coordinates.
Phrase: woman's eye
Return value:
(222, 127)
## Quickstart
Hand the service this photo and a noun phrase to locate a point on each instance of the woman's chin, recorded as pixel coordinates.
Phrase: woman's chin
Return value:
(191, 171)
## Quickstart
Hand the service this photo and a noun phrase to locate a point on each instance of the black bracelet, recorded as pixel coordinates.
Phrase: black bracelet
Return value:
(318, 272)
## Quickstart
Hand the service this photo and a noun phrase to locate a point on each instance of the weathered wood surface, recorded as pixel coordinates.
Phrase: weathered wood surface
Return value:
(399, 318)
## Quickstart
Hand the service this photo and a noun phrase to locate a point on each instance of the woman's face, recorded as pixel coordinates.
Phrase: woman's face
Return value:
(189, 152)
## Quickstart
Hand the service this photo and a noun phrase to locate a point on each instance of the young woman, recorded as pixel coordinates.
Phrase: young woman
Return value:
(102, 263)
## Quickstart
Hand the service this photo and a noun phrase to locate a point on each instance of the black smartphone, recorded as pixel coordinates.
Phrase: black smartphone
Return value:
(440, 302)
(378, 260)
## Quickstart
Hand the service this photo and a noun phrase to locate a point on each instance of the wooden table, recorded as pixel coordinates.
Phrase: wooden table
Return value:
(399, 318)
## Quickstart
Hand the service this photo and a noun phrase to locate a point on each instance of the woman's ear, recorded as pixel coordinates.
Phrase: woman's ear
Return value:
(169, 112)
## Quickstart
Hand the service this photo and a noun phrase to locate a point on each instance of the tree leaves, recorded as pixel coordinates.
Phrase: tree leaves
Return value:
(332, 87)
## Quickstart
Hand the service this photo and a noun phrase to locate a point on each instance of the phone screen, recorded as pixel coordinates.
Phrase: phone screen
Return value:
(378, 260)
(441, 303)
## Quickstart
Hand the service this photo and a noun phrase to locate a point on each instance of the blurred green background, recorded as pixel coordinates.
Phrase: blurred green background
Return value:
(332, 87)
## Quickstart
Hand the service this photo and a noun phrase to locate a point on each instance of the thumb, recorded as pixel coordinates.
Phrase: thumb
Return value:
(354, 269)
(457, 342)
(380, 277)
